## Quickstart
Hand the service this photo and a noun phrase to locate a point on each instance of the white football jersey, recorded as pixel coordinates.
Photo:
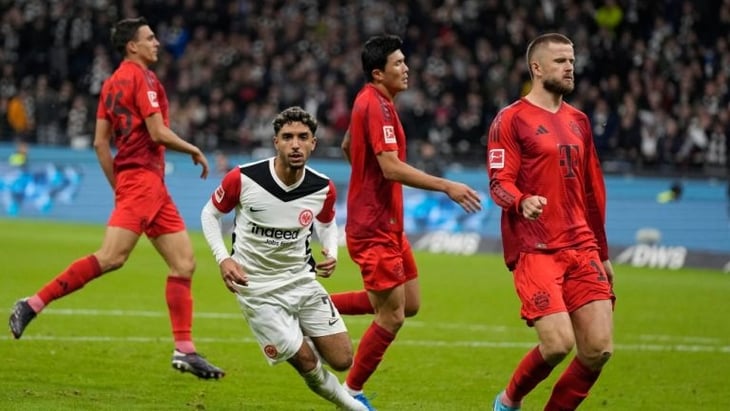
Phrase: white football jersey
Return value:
(273, 225)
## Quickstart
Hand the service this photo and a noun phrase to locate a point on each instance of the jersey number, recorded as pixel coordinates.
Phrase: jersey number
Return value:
(123, 127)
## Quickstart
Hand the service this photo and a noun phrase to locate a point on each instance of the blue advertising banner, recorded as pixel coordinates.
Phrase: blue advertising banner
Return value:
(646, 225)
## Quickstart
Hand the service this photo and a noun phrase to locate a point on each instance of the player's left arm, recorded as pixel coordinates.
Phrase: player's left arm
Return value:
(325, 226)
(103, 149)
(595, 192)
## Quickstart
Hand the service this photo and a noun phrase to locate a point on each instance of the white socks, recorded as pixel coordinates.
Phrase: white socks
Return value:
(326, 385)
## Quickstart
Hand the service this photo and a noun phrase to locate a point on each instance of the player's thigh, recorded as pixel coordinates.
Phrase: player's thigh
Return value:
(538, 281)
(593, 324)
(335, 349)
(274, 325)
(116, 247)
(177, 251)
(555, 332)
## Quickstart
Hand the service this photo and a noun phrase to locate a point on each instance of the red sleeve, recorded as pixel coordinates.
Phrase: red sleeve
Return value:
(503, 162)
(328, 210)
(228, 194)
(101, 107)
(381, 125)
(146, 98)
(595, 194)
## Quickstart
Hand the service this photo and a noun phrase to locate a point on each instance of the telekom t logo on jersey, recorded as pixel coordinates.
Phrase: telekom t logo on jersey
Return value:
(569, 154)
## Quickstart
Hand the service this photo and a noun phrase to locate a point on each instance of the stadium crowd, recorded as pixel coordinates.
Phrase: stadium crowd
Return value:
(652, 75)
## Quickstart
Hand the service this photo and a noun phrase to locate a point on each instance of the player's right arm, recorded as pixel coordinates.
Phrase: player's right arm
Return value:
(503, 165)
(161, 134)
(223, 200)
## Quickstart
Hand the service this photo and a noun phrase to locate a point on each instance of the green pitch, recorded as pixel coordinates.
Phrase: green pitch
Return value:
(108, 346)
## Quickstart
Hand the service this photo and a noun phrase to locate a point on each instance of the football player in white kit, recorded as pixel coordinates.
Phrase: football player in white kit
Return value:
(278, 203)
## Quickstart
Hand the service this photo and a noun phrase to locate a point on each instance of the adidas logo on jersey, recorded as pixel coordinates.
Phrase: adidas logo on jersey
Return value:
(541, 130)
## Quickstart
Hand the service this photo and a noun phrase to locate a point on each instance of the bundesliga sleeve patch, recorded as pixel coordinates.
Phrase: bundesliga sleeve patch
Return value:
(219, 194)
(389, 134)
(152, 97)
(496, 158)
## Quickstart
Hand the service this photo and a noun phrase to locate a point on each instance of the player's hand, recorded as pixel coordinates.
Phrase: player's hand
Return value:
(199, 158)
(465, 196)
(326, 267)
(532, 207)
(233, 274)
(608, 268)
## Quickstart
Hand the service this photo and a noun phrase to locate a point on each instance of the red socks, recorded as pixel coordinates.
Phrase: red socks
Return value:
(370, 352)
(531, 370)
(180, 306)
(572, 387)
(74, 277)
(352, 303)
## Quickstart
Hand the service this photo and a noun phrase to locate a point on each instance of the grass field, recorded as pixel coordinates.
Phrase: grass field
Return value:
(107, 347)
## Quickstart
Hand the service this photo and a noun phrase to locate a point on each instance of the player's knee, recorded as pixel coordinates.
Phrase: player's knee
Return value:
(340, 362)
(109, 262)
(185, 267)
(391, 321)
(411, 311)
(597, 359)
(556, 351)
(604, 357)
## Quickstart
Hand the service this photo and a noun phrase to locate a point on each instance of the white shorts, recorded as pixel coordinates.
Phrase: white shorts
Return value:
(279, 319)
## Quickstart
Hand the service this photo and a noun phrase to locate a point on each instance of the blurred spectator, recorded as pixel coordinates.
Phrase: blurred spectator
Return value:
(222, 165)
(78, 128)
(19, 114)
(19, 158)
(229, 64)
(47, 120)
(428, 159)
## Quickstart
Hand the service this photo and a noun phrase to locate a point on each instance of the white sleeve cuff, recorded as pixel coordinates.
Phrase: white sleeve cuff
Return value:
(327, 234)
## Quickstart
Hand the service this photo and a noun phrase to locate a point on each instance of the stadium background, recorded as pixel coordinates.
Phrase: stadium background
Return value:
(651, 75)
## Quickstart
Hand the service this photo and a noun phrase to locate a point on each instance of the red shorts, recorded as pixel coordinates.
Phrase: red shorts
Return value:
(385, 262)
(143, 205)
(559, 282)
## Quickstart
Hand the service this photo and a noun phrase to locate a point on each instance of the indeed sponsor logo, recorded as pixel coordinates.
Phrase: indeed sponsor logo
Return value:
(275, 233)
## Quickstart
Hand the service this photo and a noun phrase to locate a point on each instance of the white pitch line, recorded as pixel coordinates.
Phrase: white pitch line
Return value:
(416, 343)
(653, 343)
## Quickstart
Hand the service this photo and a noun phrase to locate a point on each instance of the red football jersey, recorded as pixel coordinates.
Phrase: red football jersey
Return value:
(532, 151)
(374, 204)
(130, 95)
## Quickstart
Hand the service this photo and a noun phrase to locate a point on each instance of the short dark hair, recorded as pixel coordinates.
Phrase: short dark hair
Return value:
(294, 114)
(125, 31)
(544, 39)
(375, 52)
